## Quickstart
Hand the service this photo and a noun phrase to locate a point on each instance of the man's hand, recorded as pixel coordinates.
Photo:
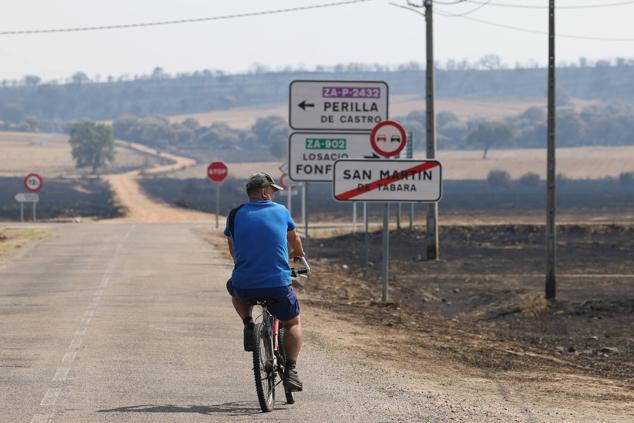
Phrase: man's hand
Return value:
(295, 243)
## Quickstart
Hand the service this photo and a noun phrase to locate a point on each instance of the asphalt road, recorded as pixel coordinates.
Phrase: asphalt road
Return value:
(128, 322)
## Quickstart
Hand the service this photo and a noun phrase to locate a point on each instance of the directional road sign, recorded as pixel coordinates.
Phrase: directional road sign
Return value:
(388, 138)
(312, 155)
(283, 167)
(217, 171)
(337, 105)
(33, 182)
(27, 198)
(387, 180)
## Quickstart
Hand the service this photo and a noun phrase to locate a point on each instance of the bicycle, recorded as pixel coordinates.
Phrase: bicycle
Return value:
(269, 358)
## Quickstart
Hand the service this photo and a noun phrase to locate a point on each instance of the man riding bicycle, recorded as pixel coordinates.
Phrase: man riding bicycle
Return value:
(259, 234)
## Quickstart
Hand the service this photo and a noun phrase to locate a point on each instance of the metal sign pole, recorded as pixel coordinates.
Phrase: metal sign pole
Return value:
(411, 216)
(551, 235)
(21, 212)
(303, 202)
(306, 215)
(217, 203)
(34, 214)
(386, 250)
(433, 252)
(354, 217)
(399, 212)
(366, 235)
(289, 199)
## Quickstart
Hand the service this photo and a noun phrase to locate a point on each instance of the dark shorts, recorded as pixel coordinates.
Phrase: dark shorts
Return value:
(284, 306)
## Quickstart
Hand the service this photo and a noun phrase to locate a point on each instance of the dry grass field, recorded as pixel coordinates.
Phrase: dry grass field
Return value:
(574, 163)
(49, 155)
(244, 117)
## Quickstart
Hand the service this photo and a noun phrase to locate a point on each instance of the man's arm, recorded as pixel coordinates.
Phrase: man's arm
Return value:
(230, 244)
(295, 243)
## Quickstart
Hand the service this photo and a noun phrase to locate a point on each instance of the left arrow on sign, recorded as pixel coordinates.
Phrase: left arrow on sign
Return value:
(303, 105)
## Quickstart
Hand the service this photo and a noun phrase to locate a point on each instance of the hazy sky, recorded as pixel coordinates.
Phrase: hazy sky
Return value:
(372, 32)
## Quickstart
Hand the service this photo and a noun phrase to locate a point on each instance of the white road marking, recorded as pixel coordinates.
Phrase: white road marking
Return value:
(69, 357)
(40, 418)
(61, 374)
(50, 398)
(75, 344)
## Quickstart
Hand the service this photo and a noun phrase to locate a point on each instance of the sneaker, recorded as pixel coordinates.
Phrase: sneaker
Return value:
(291, 380)
(248, 336)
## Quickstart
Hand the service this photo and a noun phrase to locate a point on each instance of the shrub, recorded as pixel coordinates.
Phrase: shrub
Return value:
(626, 178)
(498, 178)
(529, 179)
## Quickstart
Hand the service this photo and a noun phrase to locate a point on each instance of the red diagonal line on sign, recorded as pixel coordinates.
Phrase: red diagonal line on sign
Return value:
(386, 181)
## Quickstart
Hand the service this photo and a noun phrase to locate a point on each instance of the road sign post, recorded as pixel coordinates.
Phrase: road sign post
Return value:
(312, 154)
(337, 105)
(387, 181)
(27, 198)
(33, 182)
(366, 236)
(388, 139)
(386, 251)
(217, 172)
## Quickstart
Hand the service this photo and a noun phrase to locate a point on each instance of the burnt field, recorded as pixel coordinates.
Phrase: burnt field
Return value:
(476, 197)
(482, 303)
(60, 199)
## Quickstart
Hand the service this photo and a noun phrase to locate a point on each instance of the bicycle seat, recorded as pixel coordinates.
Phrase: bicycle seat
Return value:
(264, 302)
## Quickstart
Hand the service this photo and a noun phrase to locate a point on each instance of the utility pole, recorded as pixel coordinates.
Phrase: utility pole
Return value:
(551, 235)
(433, 252)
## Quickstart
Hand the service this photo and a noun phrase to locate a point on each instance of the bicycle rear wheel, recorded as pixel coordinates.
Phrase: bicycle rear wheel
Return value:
(263, 367)
(280, 343)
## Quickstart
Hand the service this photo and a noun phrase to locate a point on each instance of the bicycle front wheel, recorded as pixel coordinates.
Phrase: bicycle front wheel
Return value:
(263, 367)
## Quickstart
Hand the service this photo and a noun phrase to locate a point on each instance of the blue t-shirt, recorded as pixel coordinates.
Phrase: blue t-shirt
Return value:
(260, 245)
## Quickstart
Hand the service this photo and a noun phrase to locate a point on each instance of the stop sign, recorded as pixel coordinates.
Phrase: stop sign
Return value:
(217, 171)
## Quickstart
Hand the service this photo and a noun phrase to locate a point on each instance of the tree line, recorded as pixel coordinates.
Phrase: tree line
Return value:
(267, 135)
(51, 103)
(606, 125)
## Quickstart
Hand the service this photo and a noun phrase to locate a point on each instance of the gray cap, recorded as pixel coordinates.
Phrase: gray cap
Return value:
(261, 180)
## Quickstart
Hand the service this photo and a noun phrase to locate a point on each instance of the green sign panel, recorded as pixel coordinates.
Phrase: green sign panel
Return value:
(325, 143)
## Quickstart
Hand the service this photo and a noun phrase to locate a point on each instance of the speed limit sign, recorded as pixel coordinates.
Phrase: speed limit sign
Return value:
(33, 182)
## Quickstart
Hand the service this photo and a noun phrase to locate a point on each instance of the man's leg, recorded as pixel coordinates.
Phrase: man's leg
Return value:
(293, 340)
(243, 310)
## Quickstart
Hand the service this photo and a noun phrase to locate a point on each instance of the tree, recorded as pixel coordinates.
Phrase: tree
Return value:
(92, 145)
(489, 133)
(278, 149)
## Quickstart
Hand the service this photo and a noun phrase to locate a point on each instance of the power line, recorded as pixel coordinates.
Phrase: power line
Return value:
(531, 31)
(179, 21)
(475, 9)
(534, 6)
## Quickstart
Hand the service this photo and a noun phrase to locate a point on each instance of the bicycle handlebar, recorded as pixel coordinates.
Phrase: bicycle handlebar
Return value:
(304, 271)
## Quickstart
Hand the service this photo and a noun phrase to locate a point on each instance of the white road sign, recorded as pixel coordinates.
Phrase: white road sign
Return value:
(313, 155)
(337, 105)
(387, 180)
(26, 198)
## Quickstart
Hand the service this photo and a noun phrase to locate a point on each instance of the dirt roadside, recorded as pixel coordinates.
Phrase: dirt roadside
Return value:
(442, 359)
(139, 208)
(15, 238)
